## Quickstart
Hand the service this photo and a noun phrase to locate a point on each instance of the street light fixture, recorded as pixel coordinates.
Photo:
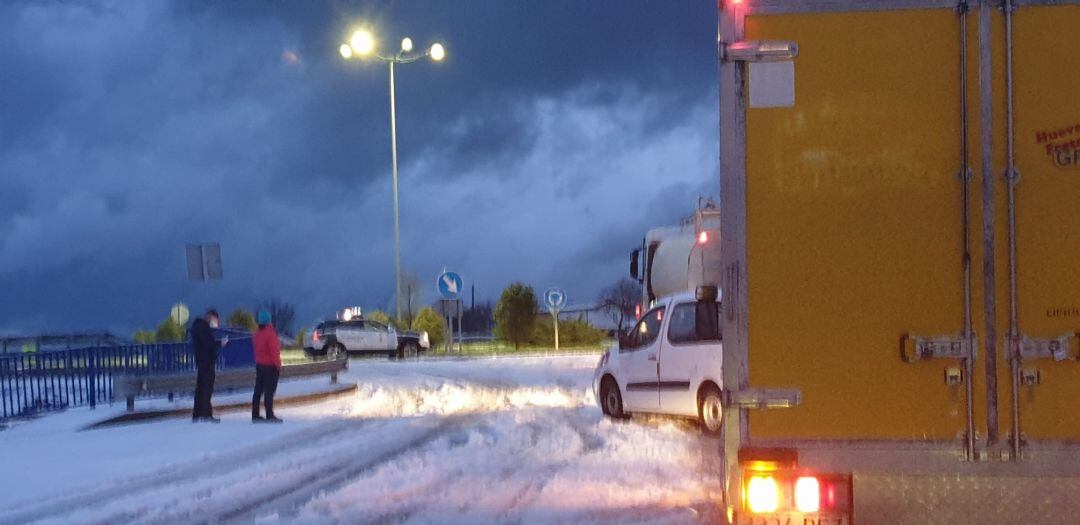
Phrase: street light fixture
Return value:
(362, 44)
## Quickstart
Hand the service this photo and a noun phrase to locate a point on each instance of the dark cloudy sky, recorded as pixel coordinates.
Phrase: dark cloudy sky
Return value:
(552, 137)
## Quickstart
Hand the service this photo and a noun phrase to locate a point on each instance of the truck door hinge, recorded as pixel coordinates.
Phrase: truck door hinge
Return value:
(763, 398)
(758, 50)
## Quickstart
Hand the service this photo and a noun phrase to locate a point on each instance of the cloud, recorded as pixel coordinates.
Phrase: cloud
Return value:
(131, 129)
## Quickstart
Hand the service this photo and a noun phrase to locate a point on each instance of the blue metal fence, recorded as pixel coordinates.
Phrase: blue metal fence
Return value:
(42, 381)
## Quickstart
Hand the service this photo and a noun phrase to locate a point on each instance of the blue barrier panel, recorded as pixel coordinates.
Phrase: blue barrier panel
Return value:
(240, 351)
(36, 382)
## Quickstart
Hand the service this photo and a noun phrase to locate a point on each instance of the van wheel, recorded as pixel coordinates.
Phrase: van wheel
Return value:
(711, 410)
(611, 399)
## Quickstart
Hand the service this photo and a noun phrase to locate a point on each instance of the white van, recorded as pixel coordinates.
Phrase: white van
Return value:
(670, 362)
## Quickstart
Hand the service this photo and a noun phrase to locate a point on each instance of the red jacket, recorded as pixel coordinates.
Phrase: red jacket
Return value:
(267, 346)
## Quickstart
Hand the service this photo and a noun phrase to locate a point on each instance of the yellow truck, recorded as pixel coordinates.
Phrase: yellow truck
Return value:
(900, 199)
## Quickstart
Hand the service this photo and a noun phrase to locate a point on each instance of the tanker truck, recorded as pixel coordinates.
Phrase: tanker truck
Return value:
(676, 259)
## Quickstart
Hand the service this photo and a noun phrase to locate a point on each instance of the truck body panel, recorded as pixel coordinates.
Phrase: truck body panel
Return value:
(899, 247)
(853, 232)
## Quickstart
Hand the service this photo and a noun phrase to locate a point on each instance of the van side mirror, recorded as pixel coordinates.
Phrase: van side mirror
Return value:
(707, 321)
(635, 256)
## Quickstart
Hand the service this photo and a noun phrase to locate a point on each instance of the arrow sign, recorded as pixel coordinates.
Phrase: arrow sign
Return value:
(555, 298)
(449, 284)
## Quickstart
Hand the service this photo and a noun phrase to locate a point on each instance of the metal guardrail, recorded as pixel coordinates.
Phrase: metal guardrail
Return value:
(37, 382)
(128, 386)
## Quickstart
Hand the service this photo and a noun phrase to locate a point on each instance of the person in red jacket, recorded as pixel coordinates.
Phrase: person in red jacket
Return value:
(267, 368)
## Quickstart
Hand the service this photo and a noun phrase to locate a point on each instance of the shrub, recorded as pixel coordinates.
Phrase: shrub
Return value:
(572, 332)
(169, 331)
(378, 316)
(428, 320)
(515, 314)
(243, 319)
(144, 337)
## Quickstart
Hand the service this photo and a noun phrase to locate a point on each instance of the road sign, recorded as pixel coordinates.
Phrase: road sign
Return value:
(555, 298)
(203, 262)
(449, 284)
(180, 313)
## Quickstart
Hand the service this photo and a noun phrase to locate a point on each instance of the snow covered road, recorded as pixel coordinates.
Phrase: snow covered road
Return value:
(515, 440)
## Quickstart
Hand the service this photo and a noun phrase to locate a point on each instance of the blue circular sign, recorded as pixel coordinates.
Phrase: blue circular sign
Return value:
(449, 284)
(555, 298)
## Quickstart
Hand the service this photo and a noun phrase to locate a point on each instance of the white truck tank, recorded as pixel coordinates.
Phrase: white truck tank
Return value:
(679, 258)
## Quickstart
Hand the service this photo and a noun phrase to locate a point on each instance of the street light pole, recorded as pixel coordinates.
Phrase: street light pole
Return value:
(362, 44)
(397, 225)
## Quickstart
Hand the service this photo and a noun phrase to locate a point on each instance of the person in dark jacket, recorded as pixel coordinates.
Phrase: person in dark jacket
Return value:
(206, 354)
(267, 368)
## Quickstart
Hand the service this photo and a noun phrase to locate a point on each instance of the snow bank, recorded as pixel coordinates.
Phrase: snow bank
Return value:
(491, 440)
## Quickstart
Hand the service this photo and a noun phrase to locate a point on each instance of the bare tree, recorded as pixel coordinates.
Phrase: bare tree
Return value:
(411, 290)
(619, 301)
(282, 314)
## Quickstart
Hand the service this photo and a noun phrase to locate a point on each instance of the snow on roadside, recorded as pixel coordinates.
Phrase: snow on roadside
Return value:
(451, 441)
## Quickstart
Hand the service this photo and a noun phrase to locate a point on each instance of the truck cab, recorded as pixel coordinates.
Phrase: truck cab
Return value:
(670, 362)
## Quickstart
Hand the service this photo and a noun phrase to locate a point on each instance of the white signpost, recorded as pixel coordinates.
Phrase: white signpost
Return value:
(555, 298)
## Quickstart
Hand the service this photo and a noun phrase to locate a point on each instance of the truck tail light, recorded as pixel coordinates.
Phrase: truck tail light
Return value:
(762, 494)
(774, 484)
(808, 494)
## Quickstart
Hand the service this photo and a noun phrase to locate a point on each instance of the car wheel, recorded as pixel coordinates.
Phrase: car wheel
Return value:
(611, 399)
(411, 349)
(711, 410)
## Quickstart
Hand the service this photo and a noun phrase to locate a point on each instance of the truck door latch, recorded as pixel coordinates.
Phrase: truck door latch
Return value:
(1058, 349)
(914, 348)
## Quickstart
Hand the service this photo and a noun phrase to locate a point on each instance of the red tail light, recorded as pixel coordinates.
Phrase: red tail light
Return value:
(315, 336)
(703, 237)
(637, 311)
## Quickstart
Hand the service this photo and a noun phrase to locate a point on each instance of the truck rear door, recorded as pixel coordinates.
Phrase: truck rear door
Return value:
(1047, 236)
(854, 234)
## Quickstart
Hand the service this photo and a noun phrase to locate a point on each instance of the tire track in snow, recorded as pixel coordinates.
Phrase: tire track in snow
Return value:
(279, 483)
(204, 467)
(288, 500)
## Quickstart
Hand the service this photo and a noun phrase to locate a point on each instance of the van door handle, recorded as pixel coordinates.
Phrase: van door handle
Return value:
(652, 357)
